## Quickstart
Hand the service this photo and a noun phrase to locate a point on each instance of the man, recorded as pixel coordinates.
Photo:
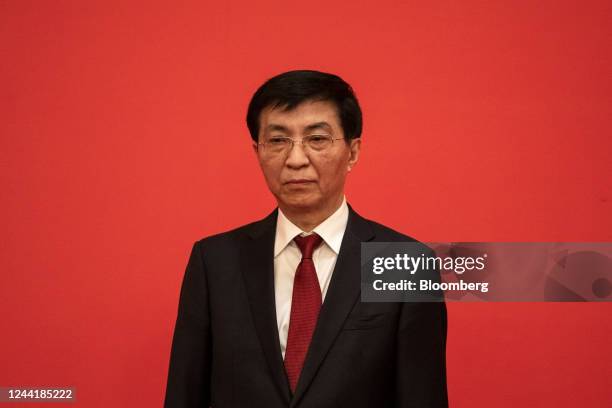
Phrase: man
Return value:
(270, 313)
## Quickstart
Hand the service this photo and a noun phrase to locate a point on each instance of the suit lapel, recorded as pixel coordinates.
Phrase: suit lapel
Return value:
(343, 292)
(258, 273)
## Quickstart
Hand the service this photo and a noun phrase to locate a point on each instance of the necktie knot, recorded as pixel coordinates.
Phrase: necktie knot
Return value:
(308, 244)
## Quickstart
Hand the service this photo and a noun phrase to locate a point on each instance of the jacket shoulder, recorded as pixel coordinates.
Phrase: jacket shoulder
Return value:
(385, 234)
(236, 234)
(369, 229)
(225, 236)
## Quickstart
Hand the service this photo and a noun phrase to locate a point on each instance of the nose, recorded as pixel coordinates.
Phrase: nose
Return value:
(297, 157)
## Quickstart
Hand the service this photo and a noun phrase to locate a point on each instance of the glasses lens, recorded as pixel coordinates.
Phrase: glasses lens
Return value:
(318, 142)
(277, 144)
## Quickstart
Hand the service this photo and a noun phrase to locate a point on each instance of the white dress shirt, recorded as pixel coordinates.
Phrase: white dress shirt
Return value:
(287, 256)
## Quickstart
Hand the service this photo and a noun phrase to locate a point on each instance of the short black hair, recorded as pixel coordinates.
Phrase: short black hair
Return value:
(289, 89)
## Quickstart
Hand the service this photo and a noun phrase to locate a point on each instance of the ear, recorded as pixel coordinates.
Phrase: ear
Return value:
(255, 147)
(355, 149)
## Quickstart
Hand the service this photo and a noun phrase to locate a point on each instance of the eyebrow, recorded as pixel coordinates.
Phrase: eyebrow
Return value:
(319, 125)
(313, 126)
(276, 127)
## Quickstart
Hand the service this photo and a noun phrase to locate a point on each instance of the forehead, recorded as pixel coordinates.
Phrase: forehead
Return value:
(300, 117)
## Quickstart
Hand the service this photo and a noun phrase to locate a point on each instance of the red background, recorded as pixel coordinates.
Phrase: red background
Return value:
(123, 140)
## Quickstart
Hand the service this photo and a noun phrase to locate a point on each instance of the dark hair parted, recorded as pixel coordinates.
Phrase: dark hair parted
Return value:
(291, 88)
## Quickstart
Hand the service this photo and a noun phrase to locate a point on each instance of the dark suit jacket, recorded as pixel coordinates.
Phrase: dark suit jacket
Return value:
(226, 351)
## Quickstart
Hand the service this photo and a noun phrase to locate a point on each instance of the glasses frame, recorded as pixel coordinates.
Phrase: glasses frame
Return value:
(302, 141)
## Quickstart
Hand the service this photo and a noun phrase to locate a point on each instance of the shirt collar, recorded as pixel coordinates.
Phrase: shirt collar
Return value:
(331, 230)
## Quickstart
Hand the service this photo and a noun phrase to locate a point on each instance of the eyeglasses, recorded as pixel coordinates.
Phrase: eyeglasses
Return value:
(281, 144)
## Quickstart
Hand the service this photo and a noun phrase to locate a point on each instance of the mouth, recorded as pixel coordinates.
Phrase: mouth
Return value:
(299, 181)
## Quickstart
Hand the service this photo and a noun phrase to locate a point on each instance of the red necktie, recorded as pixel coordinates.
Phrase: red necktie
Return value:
(305, 305)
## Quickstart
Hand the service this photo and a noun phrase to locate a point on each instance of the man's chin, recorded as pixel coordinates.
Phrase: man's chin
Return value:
(300, 201)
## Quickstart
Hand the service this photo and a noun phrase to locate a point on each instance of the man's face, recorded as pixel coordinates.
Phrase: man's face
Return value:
(302, 178)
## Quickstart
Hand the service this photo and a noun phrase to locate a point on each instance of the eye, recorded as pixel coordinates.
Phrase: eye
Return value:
(318, 142)
(317, 138)
(277, 140)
